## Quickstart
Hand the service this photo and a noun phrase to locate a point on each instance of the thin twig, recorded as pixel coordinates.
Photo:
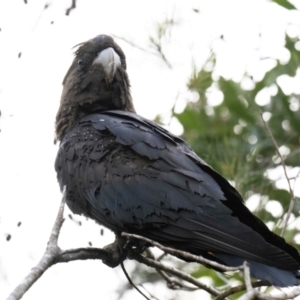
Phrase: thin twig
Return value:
(151, 295)
(247, 277)
(292, 203)
(161, 31)
(283, 296)
(251, 292)
(46, 6)
(157, 46)
(131, 43)
(131, 282)
(47, 260)
(184, 254)
(251, 295)
(162, 256)
(73, 6)
(174, 283)
(157, 265)
(240, 288)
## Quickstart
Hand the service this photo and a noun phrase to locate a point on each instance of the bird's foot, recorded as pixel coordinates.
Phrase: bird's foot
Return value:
(118, 252)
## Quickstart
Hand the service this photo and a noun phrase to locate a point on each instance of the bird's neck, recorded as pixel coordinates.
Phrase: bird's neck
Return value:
(75, 107)
(88, 95)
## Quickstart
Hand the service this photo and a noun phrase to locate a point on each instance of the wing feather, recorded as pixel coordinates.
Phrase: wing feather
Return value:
(133, 175)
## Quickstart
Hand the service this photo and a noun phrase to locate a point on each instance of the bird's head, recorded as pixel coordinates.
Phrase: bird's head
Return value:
(96, 81)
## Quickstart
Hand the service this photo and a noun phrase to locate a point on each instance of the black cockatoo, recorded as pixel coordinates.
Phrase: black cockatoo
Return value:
(129, 174)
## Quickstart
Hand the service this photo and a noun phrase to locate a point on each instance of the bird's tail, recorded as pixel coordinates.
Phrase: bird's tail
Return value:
(277, 277)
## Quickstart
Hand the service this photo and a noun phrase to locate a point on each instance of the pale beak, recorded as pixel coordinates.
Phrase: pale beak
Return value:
(110, 61)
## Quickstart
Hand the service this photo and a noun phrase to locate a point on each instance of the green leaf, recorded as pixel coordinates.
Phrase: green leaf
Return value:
(284, 3)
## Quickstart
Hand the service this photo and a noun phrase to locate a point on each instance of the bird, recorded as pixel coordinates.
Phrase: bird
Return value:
(131, 175)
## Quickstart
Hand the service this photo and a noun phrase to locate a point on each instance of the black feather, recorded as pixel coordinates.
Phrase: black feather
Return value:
(129, 174)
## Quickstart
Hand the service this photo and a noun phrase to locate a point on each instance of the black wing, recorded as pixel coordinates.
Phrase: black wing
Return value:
(131, 175)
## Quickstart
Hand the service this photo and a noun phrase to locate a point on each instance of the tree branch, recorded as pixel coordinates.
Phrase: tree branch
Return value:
(155, 42)
(283, 296)
(131, 282)
(240, 288)
(82, 254)
(251, 292)
(174, 283)
(47, 260)
(157, 265)
(293, 200)
(73, 6)
(131, 43)
(184, 254)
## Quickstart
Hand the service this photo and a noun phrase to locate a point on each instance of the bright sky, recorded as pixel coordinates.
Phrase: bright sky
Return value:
(30, 90)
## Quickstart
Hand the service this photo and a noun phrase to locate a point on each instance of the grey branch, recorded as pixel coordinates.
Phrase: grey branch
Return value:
(47, 260)
(174, 283)
(293, 200)
(240, 288)
(73, 6)
(282, 296)
(54, 254)
(184, 254)
(131, 282)
(251, 292)
(184, 276)
(156, 45)
(82, 254)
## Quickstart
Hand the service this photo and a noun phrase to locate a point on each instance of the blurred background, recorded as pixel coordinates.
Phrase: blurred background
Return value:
(209, 70)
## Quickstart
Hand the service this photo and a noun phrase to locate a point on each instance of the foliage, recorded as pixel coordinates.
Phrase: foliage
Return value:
(231, 136)
(284, 3)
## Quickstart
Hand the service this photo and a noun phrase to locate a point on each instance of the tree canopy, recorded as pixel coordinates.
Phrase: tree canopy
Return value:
(233, 125)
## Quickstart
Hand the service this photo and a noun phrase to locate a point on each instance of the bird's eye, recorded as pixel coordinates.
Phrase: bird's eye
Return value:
(80, 61)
